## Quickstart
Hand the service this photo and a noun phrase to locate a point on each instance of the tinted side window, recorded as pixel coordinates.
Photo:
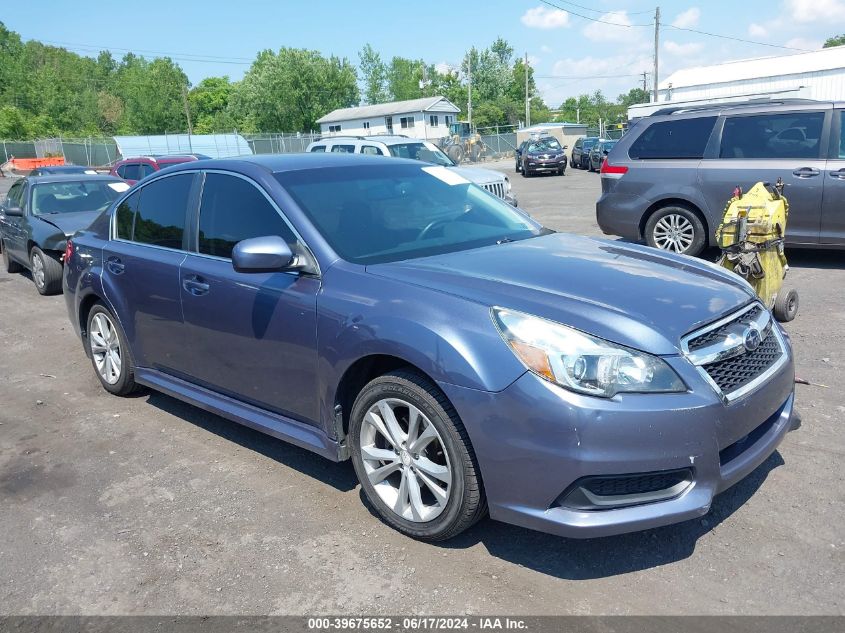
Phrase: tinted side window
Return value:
(126, 216)
(684, 138)
(13, 199)
(344, 149)
(121, 171)
(795, 135)
(232, 210)
(318, 148)
(371, 149)
(145, 169)
(160, 219)
(132, 171)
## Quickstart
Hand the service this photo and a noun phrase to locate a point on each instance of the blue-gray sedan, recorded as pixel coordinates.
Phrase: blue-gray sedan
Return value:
(463, 356)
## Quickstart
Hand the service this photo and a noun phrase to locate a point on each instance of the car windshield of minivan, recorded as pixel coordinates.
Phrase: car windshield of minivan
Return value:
(546, 145)
(380, 214)
(426, 152)
(69, 197)
(588, 143)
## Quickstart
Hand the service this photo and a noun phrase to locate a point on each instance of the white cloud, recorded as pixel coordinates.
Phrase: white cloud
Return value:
(444, 68)
(545, 18)
(808, 11)
(804, 43)
(757, 30)
(614, 27)
(546, 49)
(687, 19)
(533, 60)
(683, 50)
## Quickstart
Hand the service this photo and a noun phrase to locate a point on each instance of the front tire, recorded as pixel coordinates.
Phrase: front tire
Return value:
(109, 352)
(46, 272)
(676, 229)
(786, 305)
(414, 459)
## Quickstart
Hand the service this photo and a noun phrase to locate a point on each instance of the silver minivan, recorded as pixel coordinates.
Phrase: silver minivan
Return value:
(668, 180)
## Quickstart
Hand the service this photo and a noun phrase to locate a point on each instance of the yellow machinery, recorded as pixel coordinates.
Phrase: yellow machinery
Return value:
(463, 142)
(751, 237)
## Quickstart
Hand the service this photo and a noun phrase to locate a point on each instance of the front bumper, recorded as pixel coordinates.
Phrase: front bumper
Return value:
(545, 165)
(534, 440)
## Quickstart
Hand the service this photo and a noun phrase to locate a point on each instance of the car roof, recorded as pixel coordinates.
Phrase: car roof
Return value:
(387, 139)
(756, 105)
(47, 178)
(292, 162)
(164, 157)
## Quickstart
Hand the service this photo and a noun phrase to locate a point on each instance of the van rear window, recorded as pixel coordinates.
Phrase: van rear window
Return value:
(684, 138)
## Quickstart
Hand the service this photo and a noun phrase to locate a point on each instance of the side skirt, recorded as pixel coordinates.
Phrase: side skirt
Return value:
(272, 424)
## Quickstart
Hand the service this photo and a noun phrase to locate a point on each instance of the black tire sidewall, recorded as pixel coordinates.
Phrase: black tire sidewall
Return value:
(699, 241)
(390, 387)
(126, 383)
(52, 272)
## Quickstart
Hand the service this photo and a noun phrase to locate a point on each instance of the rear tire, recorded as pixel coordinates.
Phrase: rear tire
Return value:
(432, 490)
(109, 352)
(786, 305)
(10, 265)
(456, 153)
(46, 272)
(676, 229)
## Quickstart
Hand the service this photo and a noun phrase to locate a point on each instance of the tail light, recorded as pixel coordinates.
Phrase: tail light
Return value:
(68, 251)
(612, 171)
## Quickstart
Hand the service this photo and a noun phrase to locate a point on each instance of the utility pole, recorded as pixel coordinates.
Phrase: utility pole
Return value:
(188, 117)
(469, 90)
(527, 97)
(645, 88)
(656, 48)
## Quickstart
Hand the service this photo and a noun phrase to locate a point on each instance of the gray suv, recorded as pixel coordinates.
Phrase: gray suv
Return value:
(669, 178)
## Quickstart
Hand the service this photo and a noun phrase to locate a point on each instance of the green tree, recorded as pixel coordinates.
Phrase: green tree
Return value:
(404, 78)
(836, 40)
(151, 93)
(291, 89)
(633, 97)
(209, 105)
(373, 74)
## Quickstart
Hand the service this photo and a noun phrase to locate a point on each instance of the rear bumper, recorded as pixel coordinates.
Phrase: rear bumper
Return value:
(534, 440)
(620, 214)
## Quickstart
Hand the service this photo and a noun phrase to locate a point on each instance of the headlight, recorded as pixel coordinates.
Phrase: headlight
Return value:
(580, 362)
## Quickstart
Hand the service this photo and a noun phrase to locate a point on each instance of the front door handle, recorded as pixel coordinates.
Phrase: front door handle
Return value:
(839, 173)
(115, 266)
(806, 172)
(195, 285)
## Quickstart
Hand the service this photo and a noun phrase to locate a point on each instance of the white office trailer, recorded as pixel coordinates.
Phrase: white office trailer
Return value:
(426, 118)
(818, 75)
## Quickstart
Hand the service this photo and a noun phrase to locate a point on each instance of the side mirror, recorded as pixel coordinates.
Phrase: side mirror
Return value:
(566, 147)
(268, 254)
(13, 212)
(606, 152)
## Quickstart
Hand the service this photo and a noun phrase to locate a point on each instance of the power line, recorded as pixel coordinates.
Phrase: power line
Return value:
(581, 6)
(587, 17)
(735, 39)
(211, 59)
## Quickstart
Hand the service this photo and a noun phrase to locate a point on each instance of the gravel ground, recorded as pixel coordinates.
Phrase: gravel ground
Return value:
(149, 506)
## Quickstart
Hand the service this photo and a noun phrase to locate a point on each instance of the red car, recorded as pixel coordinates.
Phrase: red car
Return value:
(134, 169)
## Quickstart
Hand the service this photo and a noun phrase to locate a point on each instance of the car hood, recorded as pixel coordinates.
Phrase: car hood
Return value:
(70, 223)
(632, 295)
(479, 175)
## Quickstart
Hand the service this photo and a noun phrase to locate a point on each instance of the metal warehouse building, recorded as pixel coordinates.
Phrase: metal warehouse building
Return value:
(814, 75)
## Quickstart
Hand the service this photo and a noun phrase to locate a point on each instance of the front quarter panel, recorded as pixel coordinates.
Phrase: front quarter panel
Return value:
(451, 339)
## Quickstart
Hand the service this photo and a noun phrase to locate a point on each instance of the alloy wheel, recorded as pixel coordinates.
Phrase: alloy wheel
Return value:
(674, 232)
(37, 270)
(105, 348)
(405, 460)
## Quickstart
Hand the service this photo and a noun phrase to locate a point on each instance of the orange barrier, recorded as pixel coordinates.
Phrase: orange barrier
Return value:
(28, 164)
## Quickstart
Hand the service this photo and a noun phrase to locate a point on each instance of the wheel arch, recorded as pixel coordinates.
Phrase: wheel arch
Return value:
(674, 202)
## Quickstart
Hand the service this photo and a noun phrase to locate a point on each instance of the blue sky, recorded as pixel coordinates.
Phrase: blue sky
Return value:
(571, 55)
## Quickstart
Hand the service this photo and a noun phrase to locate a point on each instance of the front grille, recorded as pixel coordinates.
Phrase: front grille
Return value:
(720, 353)
(496, 188)
(705, 339)
(736, 372)
(635, 484)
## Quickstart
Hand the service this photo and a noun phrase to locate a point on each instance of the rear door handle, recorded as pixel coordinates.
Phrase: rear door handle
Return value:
(195, 285)
(115, 266)
(839, 173)
(806, 172)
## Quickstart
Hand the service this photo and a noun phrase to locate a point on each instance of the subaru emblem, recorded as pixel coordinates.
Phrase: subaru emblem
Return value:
(751, 339)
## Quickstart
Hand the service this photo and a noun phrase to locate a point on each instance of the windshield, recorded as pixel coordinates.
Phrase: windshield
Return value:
(426, 152)
(72, 196)
(375, 214)
(589, 142)
(545, 145)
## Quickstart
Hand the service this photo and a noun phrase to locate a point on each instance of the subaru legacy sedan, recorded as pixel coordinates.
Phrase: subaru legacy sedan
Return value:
(464, 357)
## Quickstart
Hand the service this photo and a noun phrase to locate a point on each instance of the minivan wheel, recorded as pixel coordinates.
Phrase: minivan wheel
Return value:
(676, 229)
(414, 459)
(46, 272)
(110, 353)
